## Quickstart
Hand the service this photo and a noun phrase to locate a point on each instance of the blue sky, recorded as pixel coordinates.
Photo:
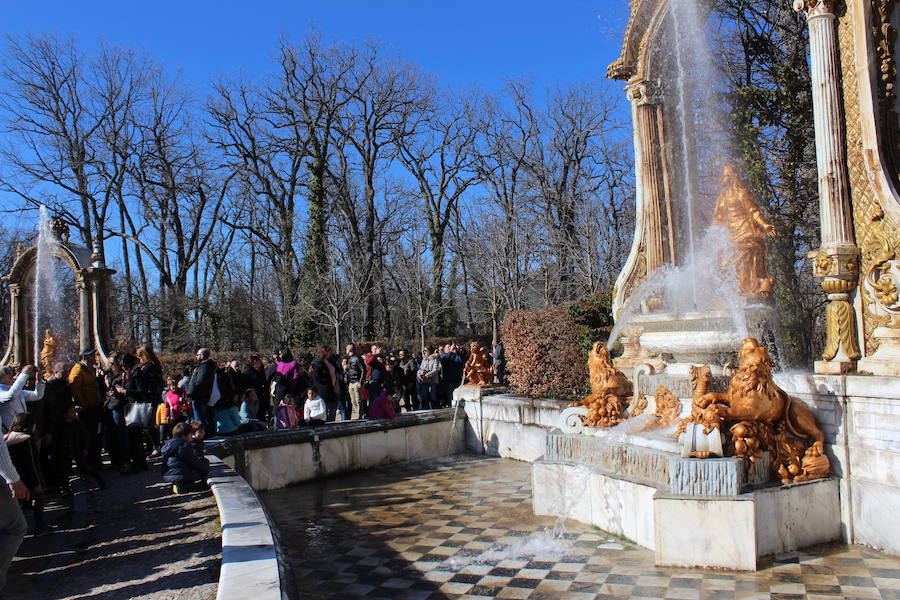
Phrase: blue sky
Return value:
(463, 42)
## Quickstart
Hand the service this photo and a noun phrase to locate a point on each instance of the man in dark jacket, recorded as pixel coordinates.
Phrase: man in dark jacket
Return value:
(407, 367)
(181, 466)
(354, 376)
(201, 389)
(57, 400)
(254, 376)
(452, 364)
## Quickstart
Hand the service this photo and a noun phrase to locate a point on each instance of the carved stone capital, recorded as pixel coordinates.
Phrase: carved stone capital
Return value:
(643, 93)
(815, 8)
(837, 261)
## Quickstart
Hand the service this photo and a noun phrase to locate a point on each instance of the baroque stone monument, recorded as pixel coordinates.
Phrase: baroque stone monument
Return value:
(92, 283)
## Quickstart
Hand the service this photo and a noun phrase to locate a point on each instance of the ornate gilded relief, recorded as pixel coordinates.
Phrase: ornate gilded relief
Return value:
(885, 40)
(873, 236)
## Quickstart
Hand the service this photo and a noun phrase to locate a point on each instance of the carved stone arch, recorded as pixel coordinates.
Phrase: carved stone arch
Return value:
(92, 281)
(75, 257)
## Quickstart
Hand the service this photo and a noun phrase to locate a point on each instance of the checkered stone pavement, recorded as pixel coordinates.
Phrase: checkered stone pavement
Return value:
(463, 527)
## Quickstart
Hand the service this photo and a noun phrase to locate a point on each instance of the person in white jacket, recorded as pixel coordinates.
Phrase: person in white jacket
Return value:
(12, 522)
(14, 396)
(314, 409)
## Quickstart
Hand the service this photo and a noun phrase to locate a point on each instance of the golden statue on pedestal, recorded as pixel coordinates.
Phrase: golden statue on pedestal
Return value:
(763, 418)
(477, 371)
(610, 390)
(49, 350)
(736, 210)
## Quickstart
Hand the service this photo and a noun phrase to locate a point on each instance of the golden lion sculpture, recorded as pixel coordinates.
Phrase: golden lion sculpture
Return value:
(610, 390)
(763, 417)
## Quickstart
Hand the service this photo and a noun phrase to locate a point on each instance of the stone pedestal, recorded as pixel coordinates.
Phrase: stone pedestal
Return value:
(886, 360)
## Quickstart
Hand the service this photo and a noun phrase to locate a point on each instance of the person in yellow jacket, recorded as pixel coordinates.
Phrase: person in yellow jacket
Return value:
(86, 392)
(163, 422)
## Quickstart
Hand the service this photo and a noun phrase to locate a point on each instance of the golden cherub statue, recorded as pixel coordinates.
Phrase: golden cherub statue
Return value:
(48, 352)
(736, 210)
(477, 371)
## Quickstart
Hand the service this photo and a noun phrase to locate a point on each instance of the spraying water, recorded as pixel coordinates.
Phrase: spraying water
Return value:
(48, 310)
(700, 119)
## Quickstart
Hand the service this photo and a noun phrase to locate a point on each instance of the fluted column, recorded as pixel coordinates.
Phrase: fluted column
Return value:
(644, 101)
(837, 260)
(84, 312)
(15, 325)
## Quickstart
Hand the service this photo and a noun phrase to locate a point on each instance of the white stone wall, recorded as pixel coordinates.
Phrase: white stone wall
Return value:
(279, 466)
(860, 416)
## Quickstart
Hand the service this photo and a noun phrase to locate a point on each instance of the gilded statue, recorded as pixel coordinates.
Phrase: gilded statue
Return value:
(610, 390)
(477, 371)
(49, 349)
(737, 212)
(668, 407)
(763, 418)
(704, 409)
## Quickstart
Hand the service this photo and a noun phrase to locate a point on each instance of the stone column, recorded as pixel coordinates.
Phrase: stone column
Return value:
(643, 97)
(84, 313)
(651, 228)
(837, 260)
(15, 325)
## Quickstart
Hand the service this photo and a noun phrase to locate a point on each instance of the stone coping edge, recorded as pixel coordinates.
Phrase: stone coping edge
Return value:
(225, 447)
(250, 558)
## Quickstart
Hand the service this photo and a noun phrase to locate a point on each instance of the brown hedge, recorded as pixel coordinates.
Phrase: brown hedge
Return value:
(543, 353)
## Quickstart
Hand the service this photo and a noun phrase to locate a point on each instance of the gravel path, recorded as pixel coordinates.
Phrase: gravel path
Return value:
(137, 540)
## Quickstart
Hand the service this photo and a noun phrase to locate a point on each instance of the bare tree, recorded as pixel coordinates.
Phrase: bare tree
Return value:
(385, 94)
(438, 148)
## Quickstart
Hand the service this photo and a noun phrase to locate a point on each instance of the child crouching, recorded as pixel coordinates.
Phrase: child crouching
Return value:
(181, 466)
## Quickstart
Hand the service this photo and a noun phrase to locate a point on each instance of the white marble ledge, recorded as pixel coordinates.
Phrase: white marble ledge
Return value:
(249, 558)
(873, 387)
(810, 383)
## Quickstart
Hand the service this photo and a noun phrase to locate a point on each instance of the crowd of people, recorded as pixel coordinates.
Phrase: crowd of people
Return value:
(59, 427)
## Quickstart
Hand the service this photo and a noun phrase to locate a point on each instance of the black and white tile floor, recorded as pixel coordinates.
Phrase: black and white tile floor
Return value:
(464, 528)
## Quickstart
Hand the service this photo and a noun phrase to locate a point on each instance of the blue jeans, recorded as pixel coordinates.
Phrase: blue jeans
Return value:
(13, 528)
(427, 396)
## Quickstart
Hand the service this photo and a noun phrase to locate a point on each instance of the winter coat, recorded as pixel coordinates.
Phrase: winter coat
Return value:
(227, 420)
(57, 400)
(179, 407)
(14, 399)
(288, 379)
(200, 386)
(430, 369)
(153, 382)
(74, 439)
(256, 378)
(24, 454)
(382, 408)
(249, 412)
(321, 371)
(356, 369)
(314, 409)
(287, 416)
(181, 463)
(83, 384)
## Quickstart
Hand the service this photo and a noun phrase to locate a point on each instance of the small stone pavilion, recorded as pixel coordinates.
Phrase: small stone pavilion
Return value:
(92, 281)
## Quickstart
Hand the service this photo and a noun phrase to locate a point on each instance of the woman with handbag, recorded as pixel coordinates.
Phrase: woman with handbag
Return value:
(139, 412)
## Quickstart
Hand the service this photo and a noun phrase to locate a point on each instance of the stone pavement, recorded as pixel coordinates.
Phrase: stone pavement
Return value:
(464, 528)
(136, 540)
